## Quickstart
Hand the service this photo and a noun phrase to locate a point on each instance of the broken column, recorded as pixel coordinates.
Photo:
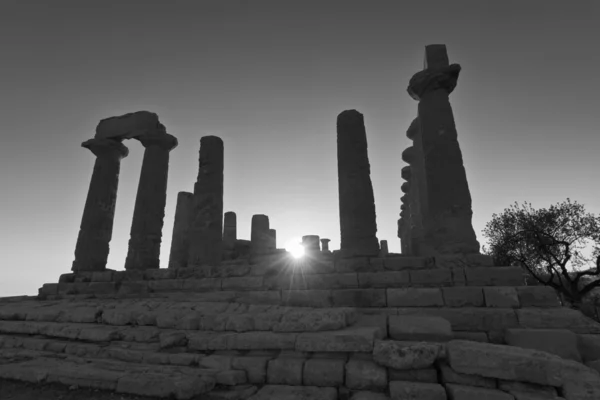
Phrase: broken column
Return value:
(357, 204)
(447, 212)
(325, 245)
(206, 232)
(311, 244)
(149, 211)
(272, 240)
(229, 234)
(259, 235)
(383, 248)
(95, 232)
(180, 243)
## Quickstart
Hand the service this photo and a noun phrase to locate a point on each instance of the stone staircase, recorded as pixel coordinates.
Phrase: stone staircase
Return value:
(321, 328)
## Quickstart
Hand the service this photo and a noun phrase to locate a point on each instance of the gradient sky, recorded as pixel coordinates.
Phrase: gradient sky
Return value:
(270, 78)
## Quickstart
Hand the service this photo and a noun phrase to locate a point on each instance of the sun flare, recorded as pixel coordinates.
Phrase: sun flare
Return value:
(295, 248)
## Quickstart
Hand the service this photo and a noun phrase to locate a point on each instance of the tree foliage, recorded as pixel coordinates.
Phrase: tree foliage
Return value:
(549, 244)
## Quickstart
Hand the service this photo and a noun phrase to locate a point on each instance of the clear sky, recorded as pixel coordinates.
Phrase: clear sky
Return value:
(270, 77)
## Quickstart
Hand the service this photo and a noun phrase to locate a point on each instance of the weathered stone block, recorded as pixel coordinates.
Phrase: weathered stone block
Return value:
(416, 328)
(502, 297)
(480, 260)
(255, 368)
(589, 346)
(243, 283)
(561, 342)
(463, 296)
(323, 372)
(203, 341)
(271, 392)
(384, 279)
(495, 276)
(556, 318)
(522, 389)
(407, 263)
(358, 297)
(165, 285)
(425, 375)
(263, 341)
(365, 375)
(458, 277)
(451, 376)
(414, 297)
(258, 297)
(449, 261)
(66, 278)
(102, 288)
(347, 340)
(462, 392)
(398, 355)
(581, 390)
(538, 296)
(230, 378)
(102, 276)
(417, 390)
(431, 277)
(365, 395)
(331, 281)
(357, 264)
(315, 320)
(307, 298)
(285, 371)
(49, 288)
(376, 320)
(127, 287)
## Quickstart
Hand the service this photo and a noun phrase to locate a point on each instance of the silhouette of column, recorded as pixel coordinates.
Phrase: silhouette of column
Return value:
(95, 232)
(206, 232)
(149, 211)
(447, 212)
(229, 230)
(383, 248)
(325, 245)
(311, 244)
(272, 240)
(357, 203)
(180, 243)
(259, 235)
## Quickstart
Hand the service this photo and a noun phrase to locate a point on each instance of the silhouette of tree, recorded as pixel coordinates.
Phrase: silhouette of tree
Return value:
(548, 244)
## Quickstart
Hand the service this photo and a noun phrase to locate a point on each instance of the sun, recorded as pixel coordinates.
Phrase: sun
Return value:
(295, 248)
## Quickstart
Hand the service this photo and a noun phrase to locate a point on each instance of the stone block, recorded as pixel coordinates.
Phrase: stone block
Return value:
(287, 281)
(414, 297)
(473, 336)
(307, 298)
(366, 395)
(283, 392)
(538, 296)
(255, 368)
(358, 297)
(495, 276)
(356, 264)
(496, 336)
(501, 297)
(215, 361)
(407, 263)
(315, 320)
(425, 375)
(581, 390)
(400, 390)
(133, 288)
(431, 278)
(331, 281)
(384, 279)
(353, 339)
(165, 285)
(262, 341)
(458, 277)
(243, 283)
(159, 274)
(417, 328)
(102, 276)
(449, 375)
(561, 342)
(449, 261)
(102, 288)
(589, 347)
(462, 392)
(398, 355)
(67, 278)
(479, 260)
(365, 375)
(257, 297)
(556, 318)
(521, 389)
(377, 320)
(463, 296)
(230, 378)
(323, 372)
(49, 289)
(203, 341)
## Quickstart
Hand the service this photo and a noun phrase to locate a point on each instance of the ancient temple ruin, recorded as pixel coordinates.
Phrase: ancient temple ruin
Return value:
(240, 319)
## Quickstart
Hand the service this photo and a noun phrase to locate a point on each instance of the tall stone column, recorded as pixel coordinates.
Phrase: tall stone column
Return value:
(206, 233)
(259, 235)
(325, 245)
(357, 203)
(149, 211)
(95, 232)
(447, 212)
(272, 240)
(180, 243)
(229, 229)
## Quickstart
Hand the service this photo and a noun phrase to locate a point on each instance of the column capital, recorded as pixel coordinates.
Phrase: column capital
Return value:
(430, 80)
(405, 187)
(162, 140)
(106, 148)
(413, 129)
(404, 199)
(405, 172)
(408, 155)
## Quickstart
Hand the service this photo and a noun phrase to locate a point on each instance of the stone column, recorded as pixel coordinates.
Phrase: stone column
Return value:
(206, 233)
(95, 232)
(325, 245)
(229, 231)
(259, 235)
(149, 211)
(383, 248)
(357, 203)
(447, 211)
(311, 244)
(180, 243)
(272, 233)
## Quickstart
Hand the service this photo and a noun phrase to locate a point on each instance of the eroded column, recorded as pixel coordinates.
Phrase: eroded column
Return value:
(229, 234)
(95, 232)
(357, 204)
(325, 245)
(447, 212)
(149, 211)
(180, 242)
(383, 248)
(259, 235)
(272, 240)
(206, 233)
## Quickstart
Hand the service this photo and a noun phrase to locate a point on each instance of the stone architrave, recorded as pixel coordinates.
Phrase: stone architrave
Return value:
(447, 211)
(206, 233)
(272, 240)
(149, 211)
(129, 126)
(325, 245)
(180, 243)
(383, 248)
(95, 232)
(259, 235)
(357, 204)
